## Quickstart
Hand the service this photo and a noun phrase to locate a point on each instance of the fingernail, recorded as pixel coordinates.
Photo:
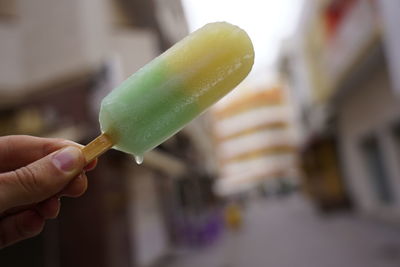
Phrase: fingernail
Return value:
(91, 165)
(67, 159)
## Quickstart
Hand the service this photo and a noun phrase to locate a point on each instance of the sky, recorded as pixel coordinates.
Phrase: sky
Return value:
(267, 22)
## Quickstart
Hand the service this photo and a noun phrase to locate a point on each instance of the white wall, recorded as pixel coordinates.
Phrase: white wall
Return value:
(134, 48)
(58, 38)
(10, 55)
(389, 11)
(171, 19)
(372, 108)
(52, 39)
(149, 233)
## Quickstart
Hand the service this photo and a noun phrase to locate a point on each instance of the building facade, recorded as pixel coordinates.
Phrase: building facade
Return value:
(340, 66)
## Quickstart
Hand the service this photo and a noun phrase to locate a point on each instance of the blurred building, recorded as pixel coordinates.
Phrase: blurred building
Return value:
(341, 69)
(58, 59)
(254, 140)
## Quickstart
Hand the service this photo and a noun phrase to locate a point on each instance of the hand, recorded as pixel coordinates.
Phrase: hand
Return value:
(34, 174)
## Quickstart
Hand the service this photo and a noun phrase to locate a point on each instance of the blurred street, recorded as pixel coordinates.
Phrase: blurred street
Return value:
(288, 232)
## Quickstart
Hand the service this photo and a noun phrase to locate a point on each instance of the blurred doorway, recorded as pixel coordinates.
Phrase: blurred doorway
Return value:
(375, 166)
(396, 137)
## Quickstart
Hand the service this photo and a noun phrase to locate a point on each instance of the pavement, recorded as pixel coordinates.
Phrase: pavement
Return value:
(290, 233)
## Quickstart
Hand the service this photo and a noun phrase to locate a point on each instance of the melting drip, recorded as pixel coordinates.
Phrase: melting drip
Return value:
(139, 159)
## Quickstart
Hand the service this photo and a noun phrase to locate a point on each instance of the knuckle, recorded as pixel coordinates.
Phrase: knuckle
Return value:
(28, 181)
(51, 145)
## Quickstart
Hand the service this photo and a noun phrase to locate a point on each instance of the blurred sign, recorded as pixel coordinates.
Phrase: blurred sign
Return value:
(352, 34)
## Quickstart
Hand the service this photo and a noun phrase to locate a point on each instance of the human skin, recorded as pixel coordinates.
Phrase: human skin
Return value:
(34, 173)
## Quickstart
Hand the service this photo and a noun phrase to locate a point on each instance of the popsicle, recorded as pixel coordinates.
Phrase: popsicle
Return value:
(162, 97)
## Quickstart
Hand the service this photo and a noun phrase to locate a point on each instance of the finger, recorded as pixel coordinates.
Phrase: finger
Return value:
(20, 226)
(91, 165)
(20, 150)
(15, 210)
(49, 208)
(41, 179)
(76, 187)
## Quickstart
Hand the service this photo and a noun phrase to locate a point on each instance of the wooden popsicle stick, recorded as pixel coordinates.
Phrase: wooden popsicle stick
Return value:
(97, 147)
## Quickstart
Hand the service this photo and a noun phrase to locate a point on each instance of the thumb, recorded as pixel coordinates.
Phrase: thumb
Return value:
(40, 179)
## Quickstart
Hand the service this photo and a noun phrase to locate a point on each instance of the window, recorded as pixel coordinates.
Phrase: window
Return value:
(375, 167)
(395, 132)
(396, 136)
